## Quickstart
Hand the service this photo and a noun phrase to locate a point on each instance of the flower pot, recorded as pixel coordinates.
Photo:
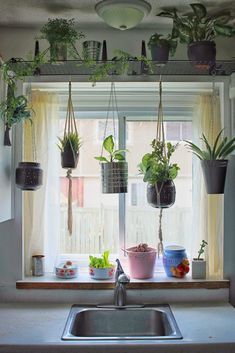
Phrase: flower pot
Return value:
(58, 51)
(198, 269)
(214, 172)
(166, 197)
(91, 50)
(175, 261)
(202, 54)
(69, 158)
(28, 176)
(114, 177)
(141, 264)
(101, 273)
(160, 53)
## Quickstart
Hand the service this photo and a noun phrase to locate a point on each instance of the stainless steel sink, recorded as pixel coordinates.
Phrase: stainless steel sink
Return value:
(112, 323)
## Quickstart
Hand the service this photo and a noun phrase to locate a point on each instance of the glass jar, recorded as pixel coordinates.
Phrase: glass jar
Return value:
(175, 261)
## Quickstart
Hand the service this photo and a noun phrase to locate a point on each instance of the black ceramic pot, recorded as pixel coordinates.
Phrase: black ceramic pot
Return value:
(202, 54)
(69, 159)
(28, 176)
(160, 53)
(7, 141)
(214, 172)
(166, 196)
(114, 176)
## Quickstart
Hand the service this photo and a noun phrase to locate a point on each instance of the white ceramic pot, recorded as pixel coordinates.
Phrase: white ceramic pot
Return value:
(198, 269)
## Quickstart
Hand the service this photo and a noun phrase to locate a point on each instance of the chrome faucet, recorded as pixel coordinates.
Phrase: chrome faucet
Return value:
(121, 279)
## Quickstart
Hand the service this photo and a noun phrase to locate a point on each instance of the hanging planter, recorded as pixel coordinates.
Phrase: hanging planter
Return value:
(69, 146)
(162, 194)
(29, 176)
(213, 161)
(114, 169)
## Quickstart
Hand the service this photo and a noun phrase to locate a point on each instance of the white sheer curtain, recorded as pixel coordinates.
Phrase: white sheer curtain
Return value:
(42, 207)
(207, 209)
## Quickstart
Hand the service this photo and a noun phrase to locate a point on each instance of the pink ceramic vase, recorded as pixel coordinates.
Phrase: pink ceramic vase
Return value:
(141, 264)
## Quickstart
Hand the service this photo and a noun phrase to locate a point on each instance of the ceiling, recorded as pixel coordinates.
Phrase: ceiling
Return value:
(34, 13)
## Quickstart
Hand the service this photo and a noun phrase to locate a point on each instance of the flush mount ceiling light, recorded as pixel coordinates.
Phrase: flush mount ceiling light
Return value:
(123, 14)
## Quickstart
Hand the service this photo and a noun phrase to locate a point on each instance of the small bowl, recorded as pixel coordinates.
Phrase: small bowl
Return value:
(101, 273)
(63, 270)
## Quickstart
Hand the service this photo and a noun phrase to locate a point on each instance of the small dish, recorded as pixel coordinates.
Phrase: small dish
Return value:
(101, 273)
(66, 270)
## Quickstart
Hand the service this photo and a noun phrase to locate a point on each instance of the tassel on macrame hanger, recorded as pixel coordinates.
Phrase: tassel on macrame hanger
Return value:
(70, 213)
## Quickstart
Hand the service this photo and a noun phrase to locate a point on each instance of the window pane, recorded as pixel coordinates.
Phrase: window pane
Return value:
(95, 215)
(173, 131)
(142, 219)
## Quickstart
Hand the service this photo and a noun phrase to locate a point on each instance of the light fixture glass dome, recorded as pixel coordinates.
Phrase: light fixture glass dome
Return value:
(123, 14)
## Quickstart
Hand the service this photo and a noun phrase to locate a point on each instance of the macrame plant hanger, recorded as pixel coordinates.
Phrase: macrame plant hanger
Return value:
(160, 136)
(70, 127)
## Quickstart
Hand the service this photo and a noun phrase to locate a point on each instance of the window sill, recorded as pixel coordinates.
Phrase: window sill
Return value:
(83, 282)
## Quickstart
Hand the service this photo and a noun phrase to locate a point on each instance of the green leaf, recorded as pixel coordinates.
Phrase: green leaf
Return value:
(216, 143)
(224, 30)
(168, 14)
(101, 159)
(199, 10)
(118, 156)
(109, 144)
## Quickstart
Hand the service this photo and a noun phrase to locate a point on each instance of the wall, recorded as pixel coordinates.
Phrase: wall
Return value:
(15, 42)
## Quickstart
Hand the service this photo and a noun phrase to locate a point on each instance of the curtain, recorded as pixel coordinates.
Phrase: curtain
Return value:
(41, 207)
(207, 209)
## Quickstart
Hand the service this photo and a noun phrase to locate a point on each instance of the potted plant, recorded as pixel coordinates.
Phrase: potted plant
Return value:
(70, 145)
(159, 174)
(213, 161)
(198, 31)
(101, 267)
(141, 260)
(161, 46)
(199, 264)
(61, 35)
(114, 168)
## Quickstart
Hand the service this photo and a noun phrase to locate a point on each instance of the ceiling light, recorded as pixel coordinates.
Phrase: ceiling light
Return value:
(123, 14)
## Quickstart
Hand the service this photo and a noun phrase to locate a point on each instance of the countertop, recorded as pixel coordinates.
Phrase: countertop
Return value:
(37, 328)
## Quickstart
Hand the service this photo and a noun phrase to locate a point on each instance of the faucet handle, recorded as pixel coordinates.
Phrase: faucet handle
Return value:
(123, 278)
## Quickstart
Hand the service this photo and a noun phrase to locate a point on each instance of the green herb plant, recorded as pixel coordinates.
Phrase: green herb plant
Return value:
(220, 149)
(156, 166)
(100, 262)
(71, 139)
(199, 26)
(159, 40)
(113, 155)
(202, 249)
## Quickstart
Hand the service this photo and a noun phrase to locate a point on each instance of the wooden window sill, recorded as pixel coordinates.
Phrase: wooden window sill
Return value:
(160, 281)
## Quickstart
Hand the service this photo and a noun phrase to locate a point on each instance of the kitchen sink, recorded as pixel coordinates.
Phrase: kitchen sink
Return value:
(150, 322)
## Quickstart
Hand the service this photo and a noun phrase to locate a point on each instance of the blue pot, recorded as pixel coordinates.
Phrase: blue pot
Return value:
(175, 261)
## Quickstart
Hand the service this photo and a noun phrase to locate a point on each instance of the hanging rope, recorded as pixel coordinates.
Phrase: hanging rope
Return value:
(70, 128)
(211, 129)
(160, 137)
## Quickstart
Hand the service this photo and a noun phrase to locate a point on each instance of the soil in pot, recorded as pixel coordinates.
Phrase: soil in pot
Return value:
(214, 172)
(160, 53)
(28, 176)
(166, 196)
(202, 54)
(114, 177)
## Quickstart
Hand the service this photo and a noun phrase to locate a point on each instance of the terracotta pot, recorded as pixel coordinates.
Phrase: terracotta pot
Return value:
(202, 54)
(166, 196)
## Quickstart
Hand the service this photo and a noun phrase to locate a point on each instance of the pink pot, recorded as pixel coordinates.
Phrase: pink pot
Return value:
(141, 264)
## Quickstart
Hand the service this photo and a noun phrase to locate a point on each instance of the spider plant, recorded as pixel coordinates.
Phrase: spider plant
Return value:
(72, 140)
(220, 149)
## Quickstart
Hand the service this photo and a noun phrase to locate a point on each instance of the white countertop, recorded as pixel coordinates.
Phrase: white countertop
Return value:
(37, 328)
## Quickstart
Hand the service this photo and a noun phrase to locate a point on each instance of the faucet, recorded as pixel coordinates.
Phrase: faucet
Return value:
(121, 279)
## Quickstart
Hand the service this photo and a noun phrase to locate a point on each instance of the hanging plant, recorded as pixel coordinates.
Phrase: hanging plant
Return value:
(13, 111)
(214, 161)
(114, 168)
(69, 146)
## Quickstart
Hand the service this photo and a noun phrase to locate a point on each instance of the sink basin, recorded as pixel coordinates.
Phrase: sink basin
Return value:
(112, 323)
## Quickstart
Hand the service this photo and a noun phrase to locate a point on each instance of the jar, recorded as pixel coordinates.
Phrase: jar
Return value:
(28, 176)
(175, 261)
(38, 265)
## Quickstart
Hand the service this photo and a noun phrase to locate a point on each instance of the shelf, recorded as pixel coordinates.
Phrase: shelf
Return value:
(172, 68)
